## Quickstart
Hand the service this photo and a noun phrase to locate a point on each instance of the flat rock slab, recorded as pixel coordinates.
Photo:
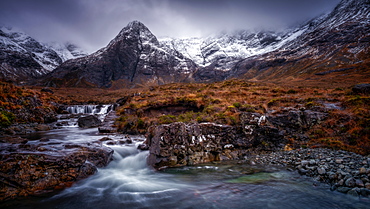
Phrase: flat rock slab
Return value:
(30, 169)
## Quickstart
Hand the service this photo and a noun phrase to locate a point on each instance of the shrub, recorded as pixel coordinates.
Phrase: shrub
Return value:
(291, 91)
(6, 118)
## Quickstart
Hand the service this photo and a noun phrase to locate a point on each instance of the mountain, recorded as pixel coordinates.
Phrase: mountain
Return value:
(332, 48)
(22, 57)
(134, 57)
(229, 46)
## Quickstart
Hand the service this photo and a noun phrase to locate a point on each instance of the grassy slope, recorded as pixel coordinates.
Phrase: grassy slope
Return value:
(222, 102)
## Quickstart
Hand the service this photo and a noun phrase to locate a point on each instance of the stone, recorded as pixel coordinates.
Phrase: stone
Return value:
(338, 160)
(42, 127)
(367, 185)
(107, 129)
(359, 183)
(89, 121)
(343, 189)
(321, 170)
(32, 169)
(362, 170)
(105, 139)
(354, 192)
(350, 182)
(364, 192)
(143, 147)
(341, 182)
(361, 88)
(304, 162)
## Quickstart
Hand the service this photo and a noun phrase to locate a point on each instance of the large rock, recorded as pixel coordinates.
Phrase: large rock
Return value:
(29, 169)
(179, 144)
(89, 121)
(296, 122)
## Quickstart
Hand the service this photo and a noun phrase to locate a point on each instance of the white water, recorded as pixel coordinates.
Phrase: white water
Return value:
(127, 182)
(89, 109)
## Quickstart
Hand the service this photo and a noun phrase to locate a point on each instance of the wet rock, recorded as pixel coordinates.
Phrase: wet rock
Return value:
(107, 129)
(343, 189)
(350, 182)
(31, 169)
(105, 139)
(364, 192)
(321, 171)
(89, 121)
(143, 147)
(354, 192)
(42, 127)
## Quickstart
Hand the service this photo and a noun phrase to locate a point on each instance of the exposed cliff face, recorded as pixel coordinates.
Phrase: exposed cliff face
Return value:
(133, 57)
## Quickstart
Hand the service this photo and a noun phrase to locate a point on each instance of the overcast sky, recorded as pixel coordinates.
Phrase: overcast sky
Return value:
(93, 23)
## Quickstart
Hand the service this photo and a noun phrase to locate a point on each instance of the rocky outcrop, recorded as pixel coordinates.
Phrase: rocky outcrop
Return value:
(30, 169)
(89, 121)
(179, 144)
(295, 123)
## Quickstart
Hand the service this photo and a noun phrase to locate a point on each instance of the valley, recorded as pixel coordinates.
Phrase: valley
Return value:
(145, 120)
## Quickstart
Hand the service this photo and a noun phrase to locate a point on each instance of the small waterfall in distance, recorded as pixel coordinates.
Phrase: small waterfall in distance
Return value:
(89, 109)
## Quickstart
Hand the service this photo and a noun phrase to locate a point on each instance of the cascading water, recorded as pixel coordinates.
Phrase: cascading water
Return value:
(127, 182)
(89, 109)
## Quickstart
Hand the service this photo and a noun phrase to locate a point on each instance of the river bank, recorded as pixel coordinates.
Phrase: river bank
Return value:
(345, 172)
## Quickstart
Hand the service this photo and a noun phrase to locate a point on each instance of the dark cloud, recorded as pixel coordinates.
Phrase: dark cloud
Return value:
(93, 23)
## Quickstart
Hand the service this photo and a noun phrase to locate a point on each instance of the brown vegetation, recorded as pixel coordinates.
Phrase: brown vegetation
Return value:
(347, 126)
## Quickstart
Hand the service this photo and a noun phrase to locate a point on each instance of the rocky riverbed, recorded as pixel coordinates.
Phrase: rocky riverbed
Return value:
(345, 172)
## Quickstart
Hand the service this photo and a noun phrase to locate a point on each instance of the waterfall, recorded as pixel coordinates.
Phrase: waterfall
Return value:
(89, 109)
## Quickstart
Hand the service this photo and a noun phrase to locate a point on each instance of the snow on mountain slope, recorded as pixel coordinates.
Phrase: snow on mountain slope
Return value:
(230, 46)
(22, 57)
(66, 51)
(43, 55)
(133, 57)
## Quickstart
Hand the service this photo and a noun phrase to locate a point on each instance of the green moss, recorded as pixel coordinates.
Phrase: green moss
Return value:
(6, 118)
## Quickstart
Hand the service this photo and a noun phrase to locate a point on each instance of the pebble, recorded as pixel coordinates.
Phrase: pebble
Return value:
(344, 171)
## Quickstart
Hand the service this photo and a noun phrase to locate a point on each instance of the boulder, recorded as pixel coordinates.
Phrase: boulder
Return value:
(30, 169)
(361, 88)
(179, 144)
(89, 121)
(122, 101)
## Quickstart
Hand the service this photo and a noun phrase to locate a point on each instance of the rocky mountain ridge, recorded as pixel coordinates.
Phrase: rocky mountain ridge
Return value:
(325, 46)
(335, 42)
(133, 57)
(22, 56)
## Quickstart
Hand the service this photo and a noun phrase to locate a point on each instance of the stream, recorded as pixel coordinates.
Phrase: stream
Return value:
(127, 182)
